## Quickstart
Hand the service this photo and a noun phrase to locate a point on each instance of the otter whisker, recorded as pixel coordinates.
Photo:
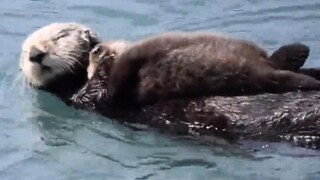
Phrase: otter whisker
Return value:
(76, 54)
(74, 60)
(67, 60)
(69, 63)
(67, 56)
(62, 67)
(67, 68)
(82, 50)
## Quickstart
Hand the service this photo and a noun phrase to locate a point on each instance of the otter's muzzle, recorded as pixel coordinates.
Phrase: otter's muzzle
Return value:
(36, 55)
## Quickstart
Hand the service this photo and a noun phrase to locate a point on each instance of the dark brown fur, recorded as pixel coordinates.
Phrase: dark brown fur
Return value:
(177, 65)
(292, 117)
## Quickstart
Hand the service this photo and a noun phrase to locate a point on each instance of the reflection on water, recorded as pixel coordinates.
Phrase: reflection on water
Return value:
(40, 137)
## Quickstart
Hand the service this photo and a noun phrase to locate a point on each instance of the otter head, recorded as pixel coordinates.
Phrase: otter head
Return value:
(55, 57)
(106, 52)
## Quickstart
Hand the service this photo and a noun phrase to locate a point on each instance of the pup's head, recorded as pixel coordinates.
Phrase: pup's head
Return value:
(108, 52)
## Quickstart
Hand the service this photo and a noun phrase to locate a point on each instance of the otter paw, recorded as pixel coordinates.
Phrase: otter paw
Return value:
(102, 52)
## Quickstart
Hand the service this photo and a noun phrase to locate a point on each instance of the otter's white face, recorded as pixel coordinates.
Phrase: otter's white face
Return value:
(112, 49)
(54, 50)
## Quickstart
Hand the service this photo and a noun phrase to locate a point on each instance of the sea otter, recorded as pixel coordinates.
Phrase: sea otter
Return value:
(290, 116)
(175, 65)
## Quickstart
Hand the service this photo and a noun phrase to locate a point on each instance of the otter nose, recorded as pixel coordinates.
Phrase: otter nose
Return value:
(36, 55)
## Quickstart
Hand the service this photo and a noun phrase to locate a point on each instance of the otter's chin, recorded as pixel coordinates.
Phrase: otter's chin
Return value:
(37, 75)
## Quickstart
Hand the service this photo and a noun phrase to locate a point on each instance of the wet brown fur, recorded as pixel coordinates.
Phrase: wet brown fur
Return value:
(292, 117)
(174, 65)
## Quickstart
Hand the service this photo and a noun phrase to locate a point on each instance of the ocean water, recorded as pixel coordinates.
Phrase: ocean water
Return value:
(41, 138)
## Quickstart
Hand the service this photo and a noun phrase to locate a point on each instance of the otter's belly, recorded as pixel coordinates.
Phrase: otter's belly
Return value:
(292, 117)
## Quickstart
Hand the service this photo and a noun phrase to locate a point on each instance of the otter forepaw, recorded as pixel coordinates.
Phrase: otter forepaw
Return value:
(103, 52)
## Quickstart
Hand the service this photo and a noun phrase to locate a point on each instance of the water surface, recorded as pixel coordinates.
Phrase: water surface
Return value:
(41, 138)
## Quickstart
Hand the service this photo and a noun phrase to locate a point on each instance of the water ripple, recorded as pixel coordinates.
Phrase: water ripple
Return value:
(188, 162)
(135, 18)
(283, 9)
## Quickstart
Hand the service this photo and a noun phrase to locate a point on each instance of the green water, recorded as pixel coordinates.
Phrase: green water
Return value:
(41, 138)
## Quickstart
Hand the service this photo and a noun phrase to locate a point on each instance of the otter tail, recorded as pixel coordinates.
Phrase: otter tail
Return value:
(290, 57)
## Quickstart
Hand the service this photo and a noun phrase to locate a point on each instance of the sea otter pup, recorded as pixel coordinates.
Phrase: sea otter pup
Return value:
(288, 57)
(293, 117)
(174, 65)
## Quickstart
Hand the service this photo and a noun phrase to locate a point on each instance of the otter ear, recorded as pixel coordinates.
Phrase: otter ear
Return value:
(92, 38)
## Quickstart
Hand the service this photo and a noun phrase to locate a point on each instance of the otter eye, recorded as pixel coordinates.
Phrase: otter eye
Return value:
(60, 35)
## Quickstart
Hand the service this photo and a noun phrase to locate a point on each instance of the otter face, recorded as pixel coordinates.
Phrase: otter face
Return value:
(96, 55)
(56, 50)
(102, 52)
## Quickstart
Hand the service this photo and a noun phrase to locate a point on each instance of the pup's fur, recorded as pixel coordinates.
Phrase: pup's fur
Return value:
(176, 65)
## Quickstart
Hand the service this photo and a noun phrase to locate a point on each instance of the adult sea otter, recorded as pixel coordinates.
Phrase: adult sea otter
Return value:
(55, 58)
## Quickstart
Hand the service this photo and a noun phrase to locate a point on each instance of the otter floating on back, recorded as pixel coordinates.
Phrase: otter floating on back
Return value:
(292, 116)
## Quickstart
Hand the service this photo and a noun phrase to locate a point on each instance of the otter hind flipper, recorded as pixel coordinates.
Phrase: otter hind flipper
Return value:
(313, 72)
(290, 57)
(292, 81)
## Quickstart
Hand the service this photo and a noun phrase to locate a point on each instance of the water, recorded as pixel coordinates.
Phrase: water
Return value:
(42, 138)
